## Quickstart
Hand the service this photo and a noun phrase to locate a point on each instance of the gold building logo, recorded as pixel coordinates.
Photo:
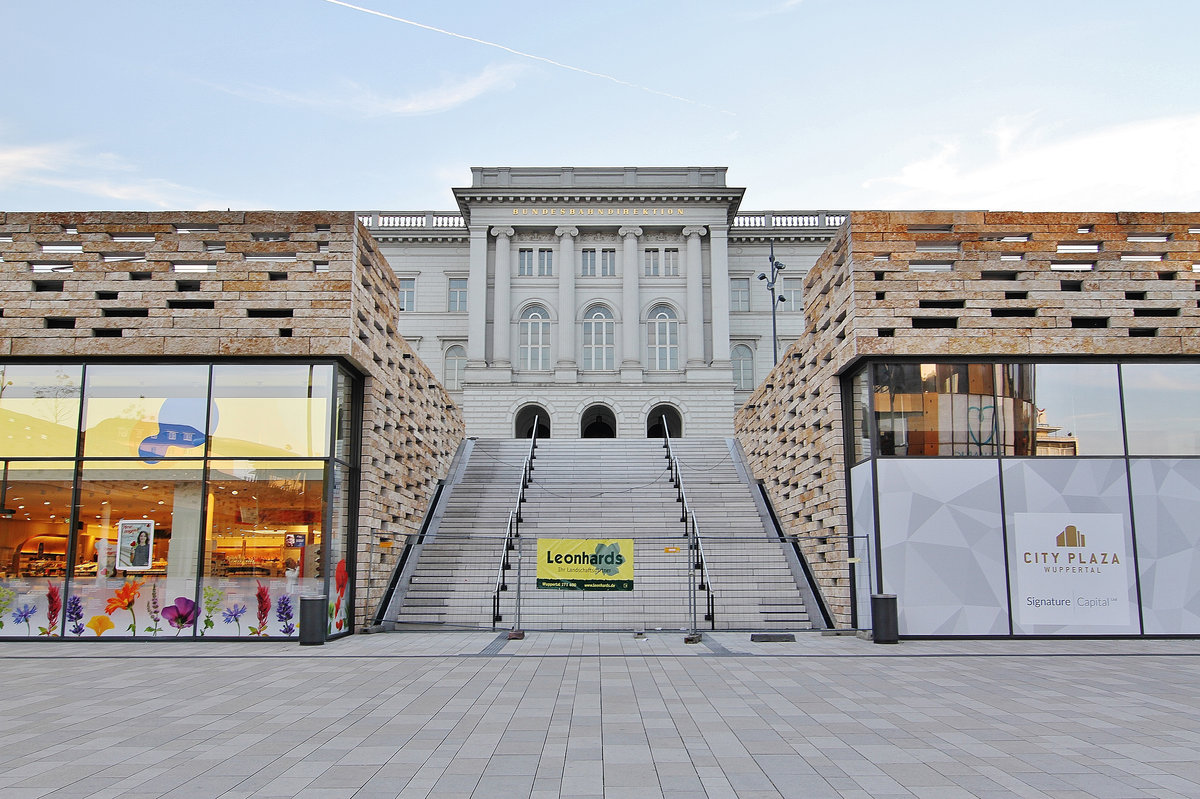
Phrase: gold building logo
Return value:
(1071, 537)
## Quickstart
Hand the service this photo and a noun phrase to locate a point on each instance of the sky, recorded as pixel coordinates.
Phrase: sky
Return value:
(811, 104)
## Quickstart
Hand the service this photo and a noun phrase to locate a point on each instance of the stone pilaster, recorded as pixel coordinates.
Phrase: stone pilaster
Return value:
(718, 242)
(695, 297)
(631, 349)
(477, 297)
(502, 312)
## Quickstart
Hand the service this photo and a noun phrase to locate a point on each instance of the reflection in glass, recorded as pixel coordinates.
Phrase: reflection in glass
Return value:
(276, 410)
(341, 592)
(262, 545)
(860, 403)
(35, 509)
(39, 410)
(147, 411)
(1078, 409)
(344, 416)
(120, 503)
(1162, 408)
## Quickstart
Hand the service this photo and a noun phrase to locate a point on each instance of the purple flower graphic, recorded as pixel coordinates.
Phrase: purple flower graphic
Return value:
(284, 613)
(180, 615)
(75, 614)
(153, 609)
(23, 614)
(234, 614)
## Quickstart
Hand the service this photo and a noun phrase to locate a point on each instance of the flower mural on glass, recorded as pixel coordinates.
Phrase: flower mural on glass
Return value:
(341, 578)
(53, 609)
(284, 613)
(100, 625)
(212, 598)
(24, 614)
(7, 597)
(181, 615)
(124, 599)
(75, 614)
(263, 597)
(153, 609)
(234, 614)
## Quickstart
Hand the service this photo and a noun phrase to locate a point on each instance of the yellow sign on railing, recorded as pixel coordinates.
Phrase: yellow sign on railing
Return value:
(585, 564)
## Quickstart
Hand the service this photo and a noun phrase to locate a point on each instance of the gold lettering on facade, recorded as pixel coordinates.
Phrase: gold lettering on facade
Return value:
(597, 212)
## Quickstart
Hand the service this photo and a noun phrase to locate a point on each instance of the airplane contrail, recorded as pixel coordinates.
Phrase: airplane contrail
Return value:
(522, 54)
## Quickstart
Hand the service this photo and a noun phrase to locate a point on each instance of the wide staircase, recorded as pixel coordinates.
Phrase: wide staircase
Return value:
(738, 574)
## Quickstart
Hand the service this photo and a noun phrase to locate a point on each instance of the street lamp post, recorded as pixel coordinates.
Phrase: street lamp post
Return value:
(776, 268)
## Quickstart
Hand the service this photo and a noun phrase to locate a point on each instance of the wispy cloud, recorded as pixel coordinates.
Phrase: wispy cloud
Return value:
(364, 101)
(103, 177)
(530, 56)
(1151, 164)
(779, 7)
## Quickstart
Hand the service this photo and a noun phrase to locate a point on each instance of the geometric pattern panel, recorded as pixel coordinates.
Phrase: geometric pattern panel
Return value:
(1166, 507)
(942, 538)
(1070, 546)
(863, 507)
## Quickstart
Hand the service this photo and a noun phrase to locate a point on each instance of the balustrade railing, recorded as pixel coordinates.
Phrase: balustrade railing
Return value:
(752, 220)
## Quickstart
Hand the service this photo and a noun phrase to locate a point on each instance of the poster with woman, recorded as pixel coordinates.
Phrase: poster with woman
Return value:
(135, 544)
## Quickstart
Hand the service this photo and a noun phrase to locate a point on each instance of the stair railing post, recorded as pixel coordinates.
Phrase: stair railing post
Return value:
(520, 559)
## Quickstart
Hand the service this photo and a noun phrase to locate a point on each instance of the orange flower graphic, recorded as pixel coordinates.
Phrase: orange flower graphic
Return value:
(124, 597)
(100, 624)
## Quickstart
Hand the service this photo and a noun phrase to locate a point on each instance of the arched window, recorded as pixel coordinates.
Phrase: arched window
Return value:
(456, 364)
(535, 339)
(599, 340)
(662, 339)
(742, 359)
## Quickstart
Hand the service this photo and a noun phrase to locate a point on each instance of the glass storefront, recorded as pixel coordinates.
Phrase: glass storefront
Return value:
(1025, 410)
(174, 500)
(1040, 499)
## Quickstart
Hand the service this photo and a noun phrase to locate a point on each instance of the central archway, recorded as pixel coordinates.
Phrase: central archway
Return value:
(660, 414)
(598, 421)
(523, 426)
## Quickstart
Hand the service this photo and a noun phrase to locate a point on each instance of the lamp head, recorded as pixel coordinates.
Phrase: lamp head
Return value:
(779, 265)
(762, 276)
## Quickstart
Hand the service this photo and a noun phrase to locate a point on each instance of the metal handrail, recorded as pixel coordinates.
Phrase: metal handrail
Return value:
(691, 529)
(512, 532)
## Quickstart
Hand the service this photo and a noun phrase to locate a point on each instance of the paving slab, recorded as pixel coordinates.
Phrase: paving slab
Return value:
(601, 715)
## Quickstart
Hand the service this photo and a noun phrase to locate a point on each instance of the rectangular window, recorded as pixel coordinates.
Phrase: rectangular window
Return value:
(525, 262)
(588, 267)
(671, 261)
(458, 294)
(652, 269)
(608, 263)
(793, 298)
(408, 294)
(739, 294)
(545, 262)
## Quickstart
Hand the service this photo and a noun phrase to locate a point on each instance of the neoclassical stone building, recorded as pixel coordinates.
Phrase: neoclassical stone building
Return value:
(598, 299)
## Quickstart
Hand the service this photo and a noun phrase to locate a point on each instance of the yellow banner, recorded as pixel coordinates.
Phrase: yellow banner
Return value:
(585, 564)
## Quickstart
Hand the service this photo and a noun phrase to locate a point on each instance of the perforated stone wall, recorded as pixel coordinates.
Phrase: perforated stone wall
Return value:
(248, 284)
(953, 284)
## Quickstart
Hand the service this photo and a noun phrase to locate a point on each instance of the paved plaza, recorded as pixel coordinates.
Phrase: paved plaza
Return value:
(589, 715)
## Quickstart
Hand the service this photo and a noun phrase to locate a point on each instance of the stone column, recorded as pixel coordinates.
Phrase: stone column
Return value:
(718, 242)
(477, 297)
(566, 297)
(631, 349)
(695, 297)
(502, 312)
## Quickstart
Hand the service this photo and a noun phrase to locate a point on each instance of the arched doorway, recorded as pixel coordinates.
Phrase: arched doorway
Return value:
(661, 413)
(523, 428)
(598, 421)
